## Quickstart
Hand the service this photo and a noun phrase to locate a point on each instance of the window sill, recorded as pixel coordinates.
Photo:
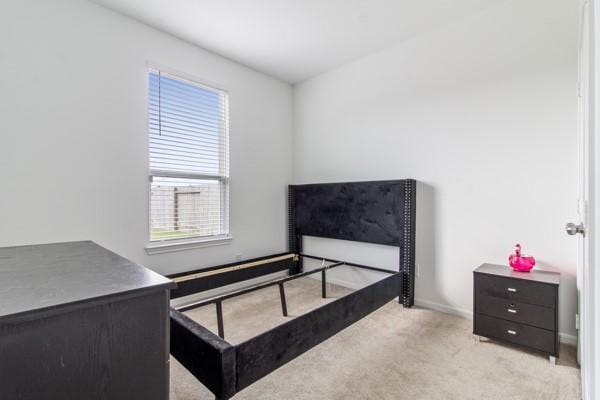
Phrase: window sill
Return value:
(186, 244)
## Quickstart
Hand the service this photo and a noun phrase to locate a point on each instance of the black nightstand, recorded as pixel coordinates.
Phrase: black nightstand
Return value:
(517, 307)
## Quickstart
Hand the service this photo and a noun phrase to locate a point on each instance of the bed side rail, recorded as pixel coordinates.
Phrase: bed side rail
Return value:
(208, 357)
(268, 351)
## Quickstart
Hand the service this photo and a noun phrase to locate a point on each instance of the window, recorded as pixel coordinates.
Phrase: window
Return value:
(189, 171)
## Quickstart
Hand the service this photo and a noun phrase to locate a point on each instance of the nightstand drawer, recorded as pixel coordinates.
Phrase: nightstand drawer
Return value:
(530, 314)
(516, 290)
(525, 335)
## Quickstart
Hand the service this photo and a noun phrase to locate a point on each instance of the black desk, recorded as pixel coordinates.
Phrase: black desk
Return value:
(80, 322)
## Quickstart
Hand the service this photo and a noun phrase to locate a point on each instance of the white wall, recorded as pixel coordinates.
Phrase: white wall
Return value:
(73, 154)
(483, 113)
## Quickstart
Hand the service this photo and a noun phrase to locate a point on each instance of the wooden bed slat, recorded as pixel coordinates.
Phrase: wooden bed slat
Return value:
(214, 277)
(232, 268)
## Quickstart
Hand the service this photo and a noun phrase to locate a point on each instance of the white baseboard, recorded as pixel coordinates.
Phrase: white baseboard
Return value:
(445, 308)
(339, 282)
(565, 338)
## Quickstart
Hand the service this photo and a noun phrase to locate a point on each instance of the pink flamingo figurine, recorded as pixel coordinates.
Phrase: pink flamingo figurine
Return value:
(521, 263)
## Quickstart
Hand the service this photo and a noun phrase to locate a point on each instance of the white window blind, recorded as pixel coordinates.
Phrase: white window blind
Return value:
(189, 160)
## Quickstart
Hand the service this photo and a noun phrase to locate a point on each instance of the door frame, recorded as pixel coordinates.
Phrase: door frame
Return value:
(589, 136)
(593, 271)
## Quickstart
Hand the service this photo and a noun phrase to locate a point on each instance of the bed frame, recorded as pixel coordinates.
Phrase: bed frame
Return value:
(380, 212)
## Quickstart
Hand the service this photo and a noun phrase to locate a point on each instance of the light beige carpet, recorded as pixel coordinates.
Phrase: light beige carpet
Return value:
(392, 354)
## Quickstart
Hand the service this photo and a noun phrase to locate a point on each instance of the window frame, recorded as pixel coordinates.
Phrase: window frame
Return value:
(176, 244)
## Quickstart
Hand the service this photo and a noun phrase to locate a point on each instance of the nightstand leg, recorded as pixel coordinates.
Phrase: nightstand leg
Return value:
(477, 338)
(552, 360)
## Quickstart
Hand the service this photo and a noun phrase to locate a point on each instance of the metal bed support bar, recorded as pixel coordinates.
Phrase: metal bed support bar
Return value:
(283, 302)
(387, 271)
(219, 307)
(212, 300)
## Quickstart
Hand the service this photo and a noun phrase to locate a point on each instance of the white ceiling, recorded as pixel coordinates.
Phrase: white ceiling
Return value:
(295, 39)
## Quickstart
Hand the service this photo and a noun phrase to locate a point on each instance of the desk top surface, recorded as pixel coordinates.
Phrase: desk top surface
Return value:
(535, 275)
(39, 277)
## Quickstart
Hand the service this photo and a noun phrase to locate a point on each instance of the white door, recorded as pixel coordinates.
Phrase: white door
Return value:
(584, 229)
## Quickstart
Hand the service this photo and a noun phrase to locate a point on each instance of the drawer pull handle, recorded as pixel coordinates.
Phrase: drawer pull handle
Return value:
(510, 310)
(510, 289)
(510, 331)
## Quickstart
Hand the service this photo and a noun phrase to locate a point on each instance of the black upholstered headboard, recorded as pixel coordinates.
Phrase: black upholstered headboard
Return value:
(380, 212)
